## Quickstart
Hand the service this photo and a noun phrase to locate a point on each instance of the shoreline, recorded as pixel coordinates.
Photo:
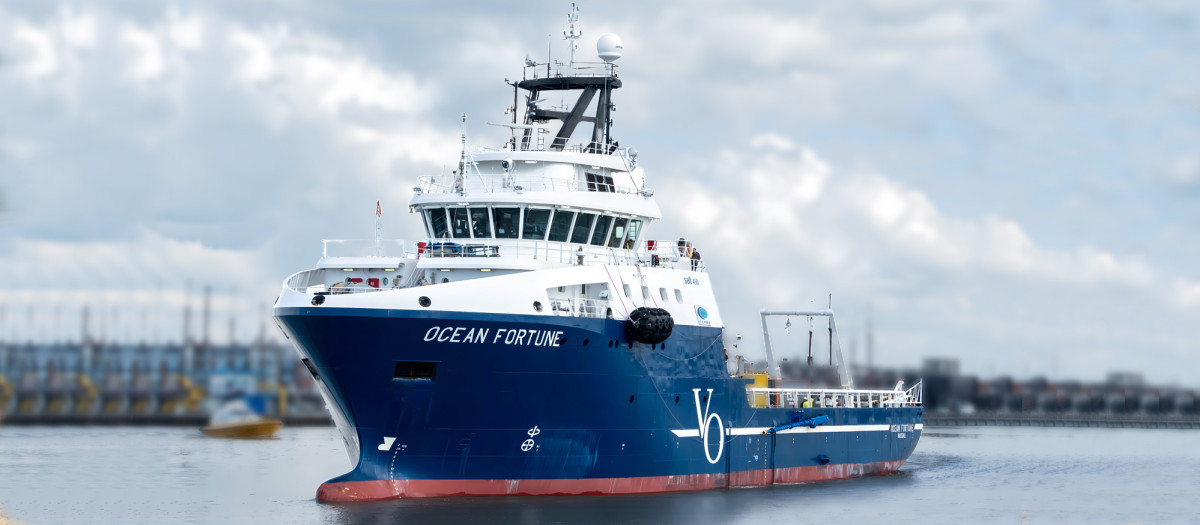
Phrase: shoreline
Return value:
(1016, 419)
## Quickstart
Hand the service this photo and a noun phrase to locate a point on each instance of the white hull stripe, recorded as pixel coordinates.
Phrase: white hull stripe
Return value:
(753, 431)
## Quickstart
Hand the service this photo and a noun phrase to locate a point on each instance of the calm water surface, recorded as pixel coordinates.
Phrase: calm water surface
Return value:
(971, 475)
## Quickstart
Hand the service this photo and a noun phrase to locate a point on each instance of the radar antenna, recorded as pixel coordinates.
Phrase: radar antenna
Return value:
(573, 33)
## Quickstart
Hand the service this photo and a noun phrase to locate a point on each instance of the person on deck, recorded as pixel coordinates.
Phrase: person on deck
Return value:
(695, 259)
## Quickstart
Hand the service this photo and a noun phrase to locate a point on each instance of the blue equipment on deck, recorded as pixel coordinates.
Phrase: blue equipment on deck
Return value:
(799, 420)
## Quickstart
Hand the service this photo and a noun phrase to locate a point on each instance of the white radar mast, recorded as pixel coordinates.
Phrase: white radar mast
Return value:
(573, 31)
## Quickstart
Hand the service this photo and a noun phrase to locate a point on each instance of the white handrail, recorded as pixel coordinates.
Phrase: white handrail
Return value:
(833, 397)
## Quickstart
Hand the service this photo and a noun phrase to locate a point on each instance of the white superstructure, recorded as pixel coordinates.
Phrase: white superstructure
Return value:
(538, 226)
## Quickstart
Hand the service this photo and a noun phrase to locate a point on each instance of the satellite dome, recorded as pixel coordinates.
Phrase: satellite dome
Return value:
(609, 47)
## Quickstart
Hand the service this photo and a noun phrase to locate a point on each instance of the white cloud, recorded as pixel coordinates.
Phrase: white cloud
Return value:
(149, 61)
(790, 192)
(866, 237)
(146, 277)
(298, 75)
(19, 149)
(1184, 170)
(39, 59)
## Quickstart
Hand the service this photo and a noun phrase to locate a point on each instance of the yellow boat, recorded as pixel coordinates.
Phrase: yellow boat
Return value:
(235, 419)
(244, 429)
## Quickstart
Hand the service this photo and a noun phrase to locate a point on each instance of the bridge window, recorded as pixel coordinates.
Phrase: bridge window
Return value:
(635, 229)
(560, 226)
(535, 223)
(437, 222)
(508, 221)
(479, 223)
(598, 234)
(583, 226)
(618, 232)
(459, 225)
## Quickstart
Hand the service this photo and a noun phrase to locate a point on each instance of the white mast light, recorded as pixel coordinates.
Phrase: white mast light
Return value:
(609, 47)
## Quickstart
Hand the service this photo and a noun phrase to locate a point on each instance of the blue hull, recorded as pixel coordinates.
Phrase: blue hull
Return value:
(513, 404)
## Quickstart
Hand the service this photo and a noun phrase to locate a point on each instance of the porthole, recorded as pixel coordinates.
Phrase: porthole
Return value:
(585, 342)
(537, 305)
(424, 301)
(630, 398)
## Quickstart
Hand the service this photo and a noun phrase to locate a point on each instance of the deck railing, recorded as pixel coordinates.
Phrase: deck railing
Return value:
(561, 252)
(580, 307)
(647, 253)
(833, 397)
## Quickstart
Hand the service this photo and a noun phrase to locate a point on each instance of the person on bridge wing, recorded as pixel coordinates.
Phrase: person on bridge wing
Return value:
(695, 259)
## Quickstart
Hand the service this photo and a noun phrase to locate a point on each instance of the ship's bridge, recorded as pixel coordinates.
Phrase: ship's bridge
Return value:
(520, 210)
(539, 201)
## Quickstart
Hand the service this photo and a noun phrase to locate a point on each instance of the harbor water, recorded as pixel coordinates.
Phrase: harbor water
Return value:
(957, 475)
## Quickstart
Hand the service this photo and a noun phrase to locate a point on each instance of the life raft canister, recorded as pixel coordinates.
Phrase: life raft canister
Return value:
(649, 325)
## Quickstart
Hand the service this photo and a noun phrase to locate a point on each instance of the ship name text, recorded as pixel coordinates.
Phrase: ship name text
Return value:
(507, 336)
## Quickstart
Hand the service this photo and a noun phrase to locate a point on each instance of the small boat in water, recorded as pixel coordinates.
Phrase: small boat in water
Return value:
(236, 419)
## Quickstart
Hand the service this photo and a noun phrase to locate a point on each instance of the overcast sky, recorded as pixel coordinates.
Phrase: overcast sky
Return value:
(1015, 184)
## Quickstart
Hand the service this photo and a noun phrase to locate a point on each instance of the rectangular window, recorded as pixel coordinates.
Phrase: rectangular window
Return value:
(601, 230)
(507, 220)
(479, 223)
(437, 221)
(618, 232)
(678, 296)
(583, 226)
(415, 370)
(635, 229)
(663, 293)
(599, 183)
(627, 292)
(459, 225)
(535, 223)
(646, 293)
(560, 226)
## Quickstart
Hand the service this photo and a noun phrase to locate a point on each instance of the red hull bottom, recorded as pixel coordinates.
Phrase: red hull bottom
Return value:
(436, 488)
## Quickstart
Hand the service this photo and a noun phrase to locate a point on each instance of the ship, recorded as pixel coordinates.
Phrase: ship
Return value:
(539, 342)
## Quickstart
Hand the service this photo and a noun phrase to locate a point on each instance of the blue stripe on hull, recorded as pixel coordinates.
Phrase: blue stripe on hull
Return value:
(499, 409)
